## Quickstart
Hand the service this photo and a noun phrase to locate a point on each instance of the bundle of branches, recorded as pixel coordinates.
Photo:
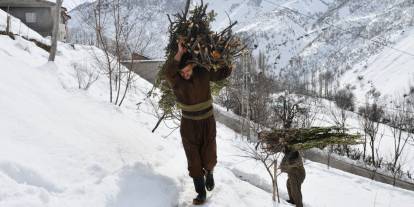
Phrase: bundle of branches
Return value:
(206, 48)
(306, 138)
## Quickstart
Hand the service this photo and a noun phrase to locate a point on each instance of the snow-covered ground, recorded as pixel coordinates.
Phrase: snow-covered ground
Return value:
(61, 146)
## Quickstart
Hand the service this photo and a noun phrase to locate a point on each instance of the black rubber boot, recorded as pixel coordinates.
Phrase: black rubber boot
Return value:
(200, 188)
(209, 180)
(290, 201)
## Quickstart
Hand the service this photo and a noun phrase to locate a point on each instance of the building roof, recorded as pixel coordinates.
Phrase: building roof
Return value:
(33, 3)
(27, 3)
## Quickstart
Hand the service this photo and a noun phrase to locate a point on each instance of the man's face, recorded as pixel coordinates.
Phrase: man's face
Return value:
(187, 72)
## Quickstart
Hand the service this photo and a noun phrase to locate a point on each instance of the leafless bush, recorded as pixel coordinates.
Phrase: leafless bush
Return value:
(118, 34)
(249, 93)
(85, 76)
(345, 99)
(269, 161)
(400, 124)
(371, 116)
(287, 110)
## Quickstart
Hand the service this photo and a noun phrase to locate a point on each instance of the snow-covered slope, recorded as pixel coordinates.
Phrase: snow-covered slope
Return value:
(391, 72)
(273, 28)
(61, 146)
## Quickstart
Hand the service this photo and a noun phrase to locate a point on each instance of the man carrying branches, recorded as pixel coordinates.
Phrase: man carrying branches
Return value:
(292, 140)
(191, 87)
(292, 164)
(196, 57)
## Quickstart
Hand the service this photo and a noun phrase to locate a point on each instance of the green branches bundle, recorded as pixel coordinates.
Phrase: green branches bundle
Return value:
(306, 138)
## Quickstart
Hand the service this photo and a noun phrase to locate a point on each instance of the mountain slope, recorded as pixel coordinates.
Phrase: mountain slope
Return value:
(301, 38)
(390, 66)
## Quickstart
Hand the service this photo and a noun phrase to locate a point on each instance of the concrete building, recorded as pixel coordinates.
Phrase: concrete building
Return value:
(38, 15)
(147, 69)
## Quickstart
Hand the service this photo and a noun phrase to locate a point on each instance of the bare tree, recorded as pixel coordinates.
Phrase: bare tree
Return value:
(269, 161)
(248, 94)
(371, 116)
(8, 24)
(119, 34)
(399, 124)
(344, 100)
(85, 75)
(102, 42)
(247, 62)
(260, 94)
(287, 109)
(55, 33)
(260, 99)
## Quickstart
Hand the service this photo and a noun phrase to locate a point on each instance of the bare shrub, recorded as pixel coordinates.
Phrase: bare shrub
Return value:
(85, 75)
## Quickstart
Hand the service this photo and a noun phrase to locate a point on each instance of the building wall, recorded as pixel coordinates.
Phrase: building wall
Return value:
(146, 69)
(43, 15)
(44, 11)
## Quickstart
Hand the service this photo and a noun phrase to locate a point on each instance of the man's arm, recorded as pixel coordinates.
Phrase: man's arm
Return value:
(284, 165)
(221, 73)
(171, 71)
(172, 65)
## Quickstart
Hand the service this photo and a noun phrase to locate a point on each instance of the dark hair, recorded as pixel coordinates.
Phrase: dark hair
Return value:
(184, 60)
(293, 155)
(286, 150)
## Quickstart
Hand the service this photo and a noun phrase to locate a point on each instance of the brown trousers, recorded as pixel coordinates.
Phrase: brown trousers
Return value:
(199, 141)
(294, 185)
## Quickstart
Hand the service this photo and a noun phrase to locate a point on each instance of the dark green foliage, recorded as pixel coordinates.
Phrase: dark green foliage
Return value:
(306, 138)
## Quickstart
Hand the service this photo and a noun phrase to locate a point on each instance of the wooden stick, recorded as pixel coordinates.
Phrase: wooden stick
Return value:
(8, 24)
(187, 7)
(158, 123)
